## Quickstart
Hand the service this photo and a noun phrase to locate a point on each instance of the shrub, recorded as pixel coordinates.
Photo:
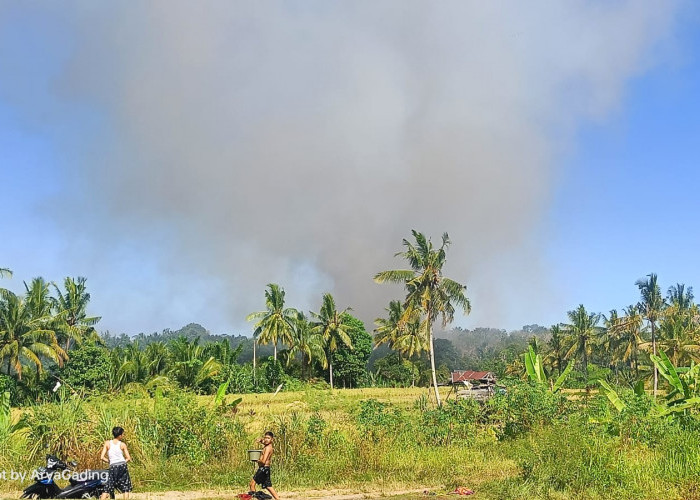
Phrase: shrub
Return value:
(377, 419)
(524, 406)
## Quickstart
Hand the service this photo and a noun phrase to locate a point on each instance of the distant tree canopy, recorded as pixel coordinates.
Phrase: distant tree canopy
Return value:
(351, 364)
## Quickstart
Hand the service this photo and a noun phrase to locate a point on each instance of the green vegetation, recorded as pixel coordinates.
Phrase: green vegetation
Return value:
(582, 412)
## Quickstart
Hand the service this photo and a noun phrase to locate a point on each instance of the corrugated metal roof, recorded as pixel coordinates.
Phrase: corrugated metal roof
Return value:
(466, 375)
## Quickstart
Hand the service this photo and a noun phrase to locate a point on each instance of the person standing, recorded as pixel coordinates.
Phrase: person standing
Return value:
(117, 455)
(262, 475)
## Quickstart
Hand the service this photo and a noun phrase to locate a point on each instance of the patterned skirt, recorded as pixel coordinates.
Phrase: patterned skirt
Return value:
(118, 478)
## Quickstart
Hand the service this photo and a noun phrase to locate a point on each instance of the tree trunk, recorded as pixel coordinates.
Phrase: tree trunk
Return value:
(254, 379)
(653, 347)
(274, 346)
(432, 363)
(330, 364)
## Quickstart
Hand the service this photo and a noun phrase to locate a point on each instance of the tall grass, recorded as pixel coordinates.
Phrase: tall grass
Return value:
(527, 444)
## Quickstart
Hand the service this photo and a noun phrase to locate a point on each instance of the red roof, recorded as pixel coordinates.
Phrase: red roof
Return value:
(466, 375)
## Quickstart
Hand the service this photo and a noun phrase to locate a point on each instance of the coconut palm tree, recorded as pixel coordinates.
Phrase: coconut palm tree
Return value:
(678, 334)
(556, 344)
(629, 337)
(307, 342)
(328, 322)
(680, 296)
(24, 338)
(389, 329)
(430, 294)
(275, 323)
(583, 333)
(38, 298)
(191, 365)
(71, 312)
(5, 272)
(651, 306)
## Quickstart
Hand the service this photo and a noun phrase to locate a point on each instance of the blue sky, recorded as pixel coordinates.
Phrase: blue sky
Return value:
(627, 204)
(622, 201)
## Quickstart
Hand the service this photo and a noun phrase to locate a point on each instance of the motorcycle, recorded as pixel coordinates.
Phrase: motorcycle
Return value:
(86, 484)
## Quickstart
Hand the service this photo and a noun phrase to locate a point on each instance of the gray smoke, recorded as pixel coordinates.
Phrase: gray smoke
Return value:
(241, 143)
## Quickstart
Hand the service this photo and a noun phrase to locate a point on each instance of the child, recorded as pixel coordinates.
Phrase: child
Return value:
(262, 475)
(118, 472)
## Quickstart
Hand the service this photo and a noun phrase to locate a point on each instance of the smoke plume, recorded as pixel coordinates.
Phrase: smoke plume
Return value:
(213, 147)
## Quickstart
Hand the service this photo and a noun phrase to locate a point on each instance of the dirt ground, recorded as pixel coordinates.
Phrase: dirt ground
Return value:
(292, 495)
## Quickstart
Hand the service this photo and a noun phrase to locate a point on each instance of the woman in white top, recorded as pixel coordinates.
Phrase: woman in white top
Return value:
(117, 455)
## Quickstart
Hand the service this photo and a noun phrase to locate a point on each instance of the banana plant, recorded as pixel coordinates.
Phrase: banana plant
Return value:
(535, 370)
(684, 383)
(220, 400)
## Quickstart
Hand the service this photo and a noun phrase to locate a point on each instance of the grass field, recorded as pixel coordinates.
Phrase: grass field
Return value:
(374, 442)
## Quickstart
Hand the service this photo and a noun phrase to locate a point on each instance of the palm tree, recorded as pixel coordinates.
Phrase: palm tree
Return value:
(678, 334)
(583, 331)
(629, 338)
(38, 298)
(71, 308)
(680, 296)
(556, 343)
(158, 358)
(389, 329)
(307, 342)
(651, 306)
(429, 294)
(24, 338)
(5, 272)
(329, 324)
(274, 324)
(192, 367)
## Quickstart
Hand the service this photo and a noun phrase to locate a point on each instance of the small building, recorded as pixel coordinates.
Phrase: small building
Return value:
(470, 384)
(482, 378)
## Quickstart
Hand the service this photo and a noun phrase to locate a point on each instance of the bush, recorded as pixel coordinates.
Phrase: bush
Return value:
(524, 406)
(453, 420)
(88, 367)
(376, 419)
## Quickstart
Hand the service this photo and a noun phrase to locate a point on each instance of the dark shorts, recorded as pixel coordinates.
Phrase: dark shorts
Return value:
(118, 478)
(262, 477)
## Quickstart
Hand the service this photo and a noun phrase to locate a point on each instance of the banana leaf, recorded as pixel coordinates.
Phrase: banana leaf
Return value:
(612, 395)
(560, 380)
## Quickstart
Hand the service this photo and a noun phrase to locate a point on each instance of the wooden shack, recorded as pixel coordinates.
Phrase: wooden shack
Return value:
(470, 384)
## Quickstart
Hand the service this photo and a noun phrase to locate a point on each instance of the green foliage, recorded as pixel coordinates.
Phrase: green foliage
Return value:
(453, 421)
(523, 407)
(350, 364)
(396, 371)
(88, 367)
(376, 419)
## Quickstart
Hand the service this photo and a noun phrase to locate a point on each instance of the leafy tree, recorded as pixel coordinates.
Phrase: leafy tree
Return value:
(328, 322)
(192, 367)
(446, 354)
(651, 307)
(24, 339)
(389, 329)
(678, 334)
(307, 343)
(351, 362)
(629, 337)
(38, 299)
(275, 323)
(71, 309)
(556, 343)
(681, 297)
(88, 367)
(583, 331)
(430, 294)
